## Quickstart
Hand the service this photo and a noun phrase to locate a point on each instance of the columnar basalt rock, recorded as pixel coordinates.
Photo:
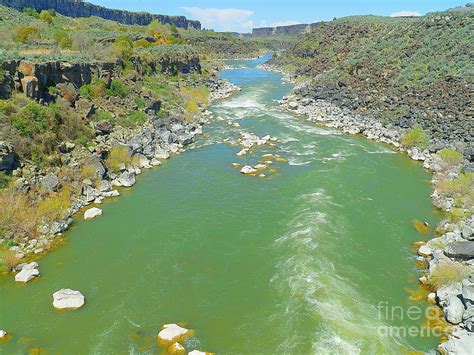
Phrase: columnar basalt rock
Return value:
(75, 8)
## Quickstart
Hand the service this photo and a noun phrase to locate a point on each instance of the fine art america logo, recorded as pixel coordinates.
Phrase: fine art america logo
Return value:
(431, 315)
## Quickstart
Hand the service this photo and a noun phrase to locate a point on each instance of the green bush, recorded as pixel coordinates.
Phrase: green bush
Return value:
(33, 119)
(31, 12)
(118, 89)
(63, 39)
(102, 115)
(123, 48)
(93, 90)
(415, 137)
(4, 179)
(450, 156)
(118, 156)
(47, 16)
(24, 33)
(134, 119)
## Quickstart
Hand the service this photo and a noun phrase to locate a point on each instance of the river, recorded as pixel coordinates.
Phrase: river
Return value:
(296, 262)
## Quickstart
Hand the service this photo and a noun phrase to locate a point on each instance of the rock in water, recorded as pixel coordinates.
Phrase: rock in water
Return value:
(247, 169)
(176, 349)
(197, 352)
(3, 333)
(67, 299)
(27, 273)
(171, 333)
(92, 213)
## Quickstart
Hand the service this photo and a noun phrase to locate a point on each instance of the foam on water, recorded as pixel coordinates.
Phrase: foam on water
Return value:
(307, 279)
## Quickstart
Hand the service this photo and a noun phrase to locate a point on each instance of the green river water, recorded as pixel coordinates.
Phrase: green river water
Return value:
(292, 264)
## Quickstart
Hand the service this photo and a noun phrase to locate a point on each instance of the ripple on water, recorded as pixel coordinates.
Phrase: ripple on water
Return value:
(306, 278)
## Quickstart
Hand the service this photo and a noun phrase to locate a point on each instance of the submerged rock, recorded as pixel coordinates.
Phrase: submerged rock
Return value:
(92, 213)
(176, 349)
(171, 333)
(3, 333)
(68, 299)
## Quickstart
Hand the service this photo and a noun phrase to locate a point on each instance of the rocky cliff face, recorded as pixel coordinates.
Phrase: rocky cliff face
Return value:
(284, 30)
(77, 8)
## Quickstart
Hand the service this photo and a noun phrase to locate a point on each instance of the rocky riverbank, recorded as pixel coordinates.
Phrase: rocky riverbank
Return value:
(143, 147)
(449, 258)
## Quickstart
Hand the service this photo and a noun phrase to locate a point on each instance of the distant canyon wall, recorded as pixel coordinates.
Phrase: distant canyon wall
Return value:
(285, 30)
(77, 8)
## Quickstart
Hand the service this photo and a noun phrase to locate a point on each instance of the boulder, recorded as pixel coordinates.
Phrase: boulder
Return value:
(445, 291)
(96, 164)
(462, 250)
(172, 333)
(9, 160)
(293, 105)
(460, 342)
(141, 160)
(467, 292)
(92, 213)
(247, 169)
(66, 147)
(103, 127)
(68, 299)
(126, 179)
(50, 183)
(425, 251)
(161, 153)
(197, 352)
(453, 310)
(467, 232)
(3, 334)
(155, 107)
(468, 318)
(176, 349)
(28, 272)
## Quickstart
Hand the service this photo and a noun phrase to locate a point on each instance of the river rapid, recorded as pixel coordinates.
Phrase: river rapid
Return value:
(297, 262)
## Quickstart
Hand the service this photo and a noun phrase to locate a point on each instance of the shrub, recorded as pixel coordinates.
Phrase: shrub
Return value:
(415, 137)
(123, 48)
(31, 12)
(47, 16)
(450, 157)
(447, 272)
(134, 119)
(18, 215)
(8, 108)
(142, 43)
(93, 90)
(55, 206)
(24, 33)
(8, 260)
(118, 89)
(4, 178)
(88, 172)
(102, 115)
(139, 102)
(63, 39)
(463, 185)
(32, 120)
(118, 156)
